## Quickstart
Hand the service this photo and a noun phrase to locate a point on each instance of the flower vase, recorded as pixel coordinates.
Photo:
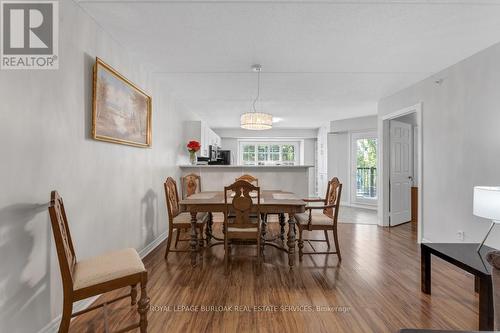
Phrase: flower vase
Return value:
(193, 158)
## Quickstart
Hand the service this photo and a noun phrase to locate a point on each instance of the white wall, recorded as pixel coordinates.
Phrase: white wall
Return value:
(113, 193)
(461, 143)
(339, 149)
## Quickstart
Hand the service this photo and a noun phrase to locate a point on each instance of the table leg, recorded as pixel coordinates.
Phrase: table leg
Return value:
(476, 283)
(291, 241)
(425, 270)
(208, 228)
(263, 232)
(282, 226)
(194, 239)
(485, 304)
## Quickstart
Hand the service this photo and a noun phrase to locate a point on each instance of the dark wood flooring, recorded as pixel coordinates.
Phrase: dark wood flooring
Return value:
(376, 288)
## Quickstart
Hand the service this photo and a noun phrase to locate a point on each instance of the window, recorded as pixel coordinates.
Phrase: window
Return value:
(269, 153)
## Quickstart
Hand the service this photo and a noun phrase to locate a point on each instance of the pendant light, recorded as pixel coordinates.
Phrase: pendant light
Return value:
(256, 120)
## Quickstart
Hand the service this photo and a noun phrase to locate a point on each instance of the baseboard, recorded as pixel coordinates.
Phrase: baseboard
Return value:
(153, 245)
(82, 305)
(371, 207)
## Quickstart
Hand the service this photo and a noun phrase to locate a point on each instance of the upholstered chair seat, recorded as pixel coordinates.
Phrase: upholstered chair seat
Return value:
(185, 218)
(107, 267)
(316, 219)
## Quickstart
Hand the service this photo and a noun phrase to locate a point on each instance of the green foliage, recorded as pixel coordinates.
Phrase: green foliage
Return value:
(367, 153)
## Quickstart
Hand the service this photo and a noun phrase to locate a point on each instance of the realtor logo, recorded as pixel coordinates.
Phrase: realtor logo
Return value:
(29, 36)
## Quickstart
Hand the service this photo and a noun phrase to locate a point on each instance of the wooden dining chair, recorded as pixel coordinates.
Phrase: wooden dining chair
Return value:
(281, 217)
(179, 220)
(326, 220)
(242, 219)
(191, 184)
(95, 276)
(249, 178)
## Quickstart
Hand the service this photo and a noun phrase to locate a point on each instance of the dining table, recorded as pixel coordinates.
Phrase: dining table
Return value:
(271, 202)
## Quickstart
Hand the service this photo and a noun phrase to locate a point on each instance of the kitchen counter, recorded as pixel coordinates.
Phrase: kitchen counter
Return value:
(246, 166)
(293, 178)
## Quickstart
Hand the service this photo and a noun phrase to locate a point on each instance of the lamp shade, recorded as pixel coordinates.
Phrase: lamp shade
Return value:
(487, 202)
(256, 121)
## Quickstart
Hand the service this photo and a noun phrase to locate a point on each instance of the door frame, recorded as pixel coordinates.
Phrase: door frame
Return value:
(384, 165)
(365, 203)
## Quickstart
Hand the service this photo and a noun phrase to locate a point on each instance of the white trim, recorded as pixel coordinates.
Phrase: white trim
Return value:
(353, 205)
(383, 163)
(153, 245)
(53, 325)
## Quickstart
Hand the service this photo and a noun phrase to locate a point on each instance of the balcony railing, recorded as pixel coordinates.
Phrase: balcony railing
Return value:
(366, 182)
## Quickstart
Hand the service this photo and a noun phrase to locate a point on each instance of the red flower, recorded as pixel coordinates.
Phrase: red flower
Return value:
(193, 146)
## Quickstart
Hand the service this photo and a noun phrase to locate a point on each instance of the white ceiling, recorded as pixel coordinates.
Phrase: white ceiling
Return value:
(322, 60)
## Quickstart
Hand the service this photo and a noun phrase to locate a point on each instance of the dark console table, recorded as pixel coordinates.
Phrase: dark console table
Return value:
(464, 256)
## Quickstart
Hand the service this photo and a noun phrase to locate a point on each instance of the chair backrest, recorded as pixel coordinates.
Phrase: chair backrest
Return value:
(191, 184)
(333, 192)
(172, 197)
(62, 236)
(249, 178)
(242, 204)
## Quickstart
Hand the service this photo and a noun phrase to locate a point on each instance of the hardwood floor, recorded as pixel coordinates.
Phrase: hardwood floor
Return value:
(376, 287)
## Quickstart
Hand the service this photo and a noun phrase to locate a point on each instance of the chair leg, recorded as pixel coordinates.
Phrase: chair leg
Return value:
(259, 256)
(301, 244)
(226, 256)
(66, 315)
(336, 240)
(177, 236)
(169, 240)
(143, 307)
(133, 294)
(326, 237)
(200, 233)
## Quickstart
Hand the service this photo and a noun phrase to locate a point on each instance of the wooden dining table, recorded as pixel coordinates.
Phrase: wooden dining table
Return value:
(271, 202)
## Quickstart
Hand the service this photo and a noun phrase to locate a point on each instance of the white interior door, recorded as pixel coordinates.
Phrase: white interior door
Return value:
(400, 175)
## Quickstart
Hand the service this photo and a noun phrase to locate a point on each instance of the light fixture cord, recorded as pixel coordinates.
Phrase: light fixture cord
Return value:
(258, 91)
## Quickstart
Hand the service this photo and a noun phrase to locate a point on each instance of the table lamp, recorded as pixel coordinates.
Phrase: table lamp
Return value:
(487, 205)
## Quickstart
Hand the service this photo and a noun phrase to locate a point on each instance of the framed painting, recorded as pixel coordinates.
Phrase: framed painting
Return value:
(121, 111)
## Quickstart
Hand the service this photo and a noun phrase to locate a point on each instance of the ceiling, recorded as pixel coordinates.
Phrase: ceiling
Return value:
(322, 60)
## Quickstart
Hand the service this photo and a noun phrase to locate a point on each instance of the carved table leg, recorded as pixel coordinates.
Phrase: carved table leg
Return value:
(208, 230)
(194, 239)
(263, 232)
(282, 226)
(291, 241)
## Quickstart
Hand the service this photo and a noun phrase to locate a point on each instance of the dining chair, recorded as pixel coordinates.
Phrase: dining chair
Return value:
(242, 219)
(249, 178)
(179, 220)
(326, 220)
(281, 217)
(191, 184)
(97, 275)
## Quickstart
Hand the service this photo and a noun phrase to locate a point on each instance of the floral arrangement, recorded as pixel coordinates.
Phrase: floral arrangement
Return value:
(193, 146)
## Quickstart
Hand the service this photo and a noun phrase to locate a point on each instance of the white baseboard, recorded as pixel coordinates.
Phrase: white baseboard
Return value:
(82, 305)
(151, 246)
(348, 204)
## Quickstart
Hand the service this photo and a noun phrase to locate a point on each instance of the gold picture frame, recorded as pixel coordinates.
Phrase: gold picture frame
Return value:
(121, 111)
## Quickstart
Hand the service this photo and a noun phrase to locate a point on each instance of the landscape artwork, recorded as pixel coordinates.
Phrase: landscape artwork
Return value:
(121, 111)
